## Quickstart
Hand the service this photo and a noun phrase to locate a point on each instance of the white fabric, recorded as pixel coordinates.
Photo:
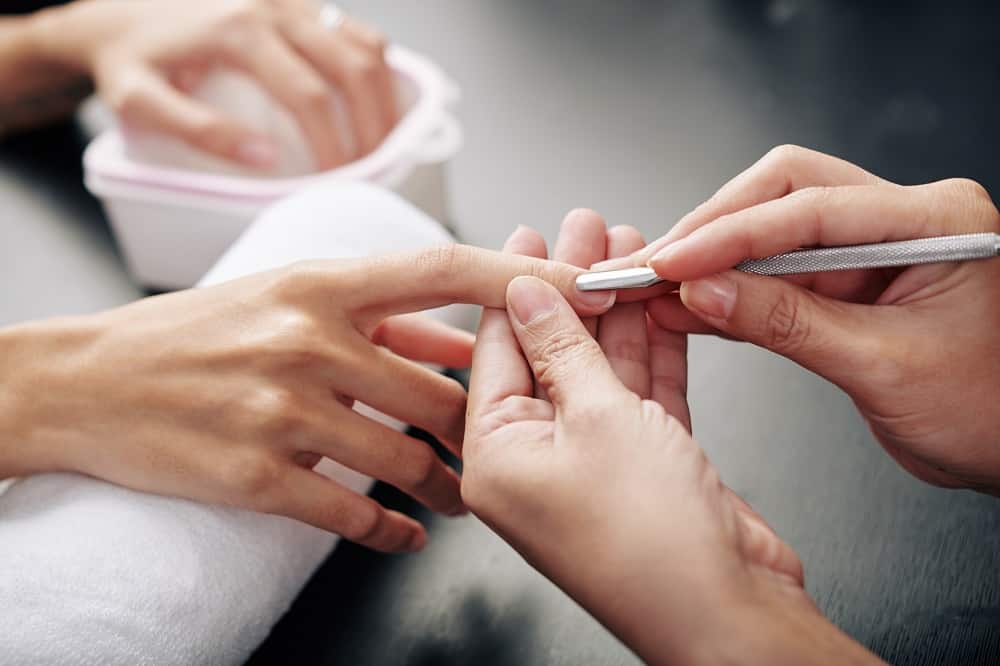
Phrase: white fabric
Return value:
(91, 573)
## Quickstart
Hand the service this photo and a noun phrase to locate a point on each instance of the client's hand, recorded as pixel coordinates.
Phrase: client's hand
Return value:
(916, 349)
(146, 56)
(602, 488)
(231, 394)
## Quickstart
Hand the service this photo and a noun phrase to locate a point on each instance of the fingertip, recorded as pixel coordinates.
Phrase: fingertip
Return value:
(525, 241)
(592, 303)
(628, 236)
(257, 151)
(418, 541)
(583, 222)
(530, 299)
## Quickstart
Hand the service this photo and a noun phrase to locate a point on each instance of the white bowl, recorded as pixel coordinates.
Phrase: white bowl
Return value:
(175, 210)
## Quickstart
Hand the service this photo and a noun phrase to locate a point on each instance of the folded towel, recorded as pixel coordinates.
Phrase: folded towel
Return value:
(97, 574)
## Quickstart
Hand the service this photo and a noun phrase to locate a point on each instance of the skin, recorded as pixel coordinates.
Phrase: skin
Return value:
(145, 57)
(231, 394)
(915, 349)
(578, 452)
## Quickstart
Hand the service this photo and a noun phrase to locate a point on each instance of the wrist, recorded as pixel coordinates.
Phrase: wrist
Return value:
(775, 622)
(764, 619)
(68, 36)
(37, 362)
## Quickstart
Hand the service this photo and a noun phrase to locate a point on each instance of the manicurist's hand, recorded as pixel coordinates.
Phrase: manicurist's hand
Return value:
(146, 55)
(231, 394)
(916, 349)
(600, 485)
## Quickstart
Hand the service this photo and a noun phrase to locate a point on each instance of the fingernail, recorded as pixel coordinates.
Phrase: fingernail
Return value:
(612, 264)
(598, 300)
(665, 255)
(713, 297)
(258, 152)
(418, 542)
(530, 299)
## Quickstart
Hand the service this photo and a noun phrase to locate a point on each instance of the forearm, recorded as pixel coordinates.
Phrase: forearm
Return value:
(36, 359)
(35, 88)
(780, 627)
(46, 59)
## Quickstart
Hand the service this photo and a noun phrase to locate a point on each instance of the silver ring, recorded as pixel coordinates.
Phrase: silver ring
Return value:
(331, 17)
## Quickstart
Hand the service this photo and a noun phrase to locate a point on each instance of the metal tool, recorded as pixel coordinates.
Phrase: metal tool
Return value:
(874, 255)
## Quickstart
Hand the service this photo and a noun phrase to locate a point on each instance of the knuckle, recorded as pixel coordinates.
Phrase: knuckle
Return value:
(968, 188)
(439, 264)
(560, 350)
(668, 384)
(127, 100)
(251, 474)
(240, 30)
(277, 413)
(418, 468)
(208, 132)
(627, 350)
(363, 69)
(364, 522)
(787, 328)
(452, 401)
(313, 96)
(815, 196)
(298, 280)
(372, 40)
(784, 155)
(981, 212)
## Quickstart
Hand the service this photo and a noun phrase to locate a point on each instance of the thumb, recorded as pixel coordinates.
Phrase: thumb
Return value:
(566, 360)
(832, 338)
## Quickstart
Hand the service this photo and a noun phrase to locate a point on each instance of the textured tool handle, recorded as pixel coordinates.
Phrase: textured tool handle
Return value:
(878, 255)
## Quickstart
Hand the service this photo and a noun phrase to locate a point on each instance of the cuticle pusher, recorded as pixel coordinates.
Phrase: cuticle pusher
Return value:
(964, 247)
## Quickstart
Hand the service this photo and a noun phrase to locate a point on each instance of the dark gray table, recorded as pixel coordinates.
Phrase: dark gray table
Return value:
(640, 110)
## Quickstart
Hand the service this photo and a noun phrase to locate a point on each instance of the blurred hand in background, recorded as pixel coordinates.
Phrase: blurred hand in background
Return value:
(146, 57)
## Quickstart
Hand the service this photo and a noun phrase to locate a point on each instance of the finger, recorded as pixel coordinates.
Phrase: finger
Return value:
(373, 42)
(297, 86)
(385, 454)
(318, 501)
(408, 282)
(762, 545)
(144, 100)
(826, 217)
(565, 359)
(582, 241)
(782, 170)
(499, 371)
(426, 340)
(406, 391)
(668, 371)
(669, 313)
(356, 64)
(835, 339)
(622, 330)
(527, 242)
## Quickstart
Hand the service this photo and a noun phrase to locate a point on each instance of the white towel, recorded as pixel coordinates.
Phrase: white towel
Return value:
(91, 573)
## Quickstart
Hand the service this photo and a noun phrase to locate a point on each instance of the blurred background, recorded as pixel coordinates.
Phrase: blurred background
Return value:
(639, 109)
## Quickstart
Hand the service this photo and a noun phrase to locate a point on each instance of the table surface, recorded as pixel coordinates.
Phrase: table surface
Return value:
(639, 109)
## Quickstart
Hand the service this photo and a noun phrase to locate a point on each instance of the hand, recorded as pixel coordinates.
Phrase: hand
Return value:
(602, 488)
(916, 349)
(146, 56)
(231, 394)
